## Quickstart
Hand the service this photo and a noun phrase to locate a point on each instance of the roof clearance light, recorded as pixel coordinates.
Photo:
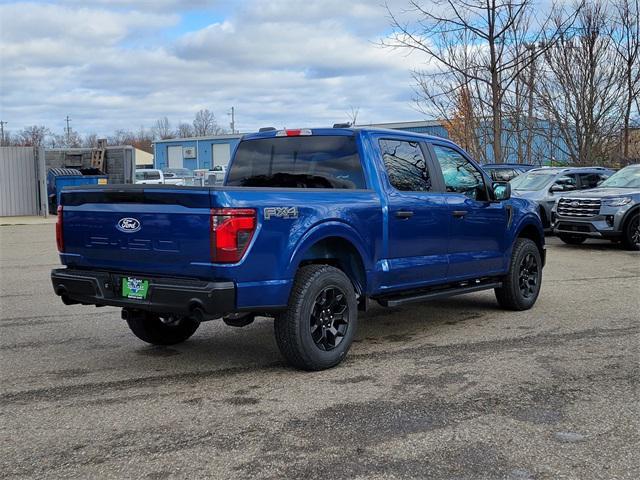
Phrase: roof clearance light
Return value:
(294, 132)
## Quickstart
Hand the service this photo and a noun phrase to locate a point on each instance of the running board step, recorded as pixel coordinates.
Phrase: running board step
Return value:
(424, 296)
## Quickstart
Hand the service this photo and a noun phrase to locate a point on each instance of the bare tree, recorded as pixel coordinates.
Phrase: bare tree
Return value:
(472, 43)
(581, 87)
(34, 135)
(185, 130)
(462, 125)
(162, 129)
(90, 140)
(352, 114)
(205, 124)
(627, 43)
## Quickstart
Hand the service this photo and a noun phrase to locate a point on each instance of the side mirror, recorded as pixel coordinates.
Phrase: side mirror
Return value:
(501, 190)
(556, 188)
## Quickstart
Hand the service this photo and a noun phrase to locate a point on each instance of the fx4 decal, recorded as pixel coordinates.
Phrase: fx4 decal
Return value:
(280, 212)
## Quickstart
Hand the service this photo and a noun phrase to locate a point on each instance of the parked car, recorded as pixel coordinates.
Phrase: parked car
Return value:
(177, 176)
(149, 176)
(310, 226)
(503, 172)
(611, 211)
(218, 174)
(542, 185)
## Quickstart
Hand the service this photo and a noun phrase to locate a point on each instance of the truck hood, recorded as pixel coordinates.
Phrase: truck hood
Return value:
(602, 193)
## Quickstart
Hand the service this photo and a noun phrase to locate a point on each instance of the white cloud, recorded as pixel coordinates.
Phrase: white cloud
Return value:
(282, 62)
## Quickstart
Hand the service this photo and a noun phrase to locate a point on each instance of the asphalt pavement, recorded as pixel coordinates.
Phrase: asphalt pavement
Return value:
(452, 389)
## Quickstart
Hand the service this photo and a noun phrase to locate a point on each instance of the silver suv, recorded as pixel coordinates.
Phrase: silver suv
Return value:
(610, 211)
(545, 185)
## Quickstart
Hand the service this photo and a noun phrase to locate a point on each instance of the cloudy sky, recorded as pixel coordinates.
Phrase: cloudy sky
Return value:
(112, 64)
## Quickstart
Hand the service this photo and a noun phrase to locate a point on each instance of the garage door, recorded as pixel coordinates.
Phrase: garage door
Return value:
(221, 154)
(19, 184)
(175, 157)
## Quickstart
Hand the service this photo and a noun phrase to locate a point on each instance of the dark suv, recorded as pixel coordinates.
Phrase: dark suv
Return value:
(611, 211)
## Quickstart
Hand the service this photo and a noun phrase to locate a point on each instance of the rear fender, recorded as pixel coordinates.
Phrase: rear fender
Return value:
(323, 231)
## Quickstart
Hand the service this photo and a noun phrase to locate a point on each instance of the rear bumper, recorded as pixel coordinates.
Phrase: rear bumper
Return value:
(165, 295)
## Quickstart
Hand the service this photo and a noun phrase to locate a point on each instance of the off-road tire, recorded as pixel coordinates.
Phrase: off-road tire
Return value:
(149, 328)
(293, 326)
(631, 230)
(510, 296)
(571, 239)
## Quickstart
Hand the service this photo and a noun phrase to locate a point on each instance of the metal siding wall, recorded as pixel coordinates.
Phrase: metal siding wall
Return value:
(18, 181)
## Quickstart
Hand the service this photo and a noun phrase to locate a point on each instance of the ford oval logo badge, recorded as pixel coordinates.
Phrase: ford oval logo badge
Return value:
(128, 225)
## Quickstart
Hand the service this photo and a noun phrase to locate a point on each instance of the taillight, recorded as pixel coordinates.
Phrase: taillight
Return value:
(59, 232)
(231, 233)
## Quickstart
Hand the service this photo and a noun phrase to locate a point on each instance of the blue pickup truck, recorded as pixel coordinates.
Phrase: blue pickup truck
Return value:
(310, 226)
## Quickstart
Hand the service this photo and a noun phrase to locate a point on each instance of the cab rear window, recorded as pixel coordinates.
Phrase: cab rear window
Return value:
(298, 162)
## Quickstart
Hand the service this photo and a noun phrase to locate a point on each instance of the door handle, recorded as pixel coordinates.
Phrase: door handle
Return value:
(459, 213)
(404, 214)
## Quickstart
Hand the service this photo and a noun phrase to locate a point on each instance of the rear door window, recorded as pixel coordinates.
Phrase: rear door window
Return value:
(405, 165)
(298, 162)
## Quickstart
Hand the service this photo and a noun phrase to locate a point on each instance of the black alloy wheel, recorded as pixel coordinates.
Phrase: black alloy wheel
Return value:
(528, 274)
(631, 235)
(321, 319)
(329, 318)
(521, 285)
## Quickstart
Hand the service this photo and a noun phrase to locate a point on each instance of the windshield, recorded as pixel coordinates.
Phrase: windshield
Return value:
(626, 178)
(532, 180)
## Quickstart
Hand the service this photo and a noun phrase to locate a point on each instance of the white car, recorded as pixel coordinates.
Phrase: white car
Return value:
(178, 176)
(149, 176)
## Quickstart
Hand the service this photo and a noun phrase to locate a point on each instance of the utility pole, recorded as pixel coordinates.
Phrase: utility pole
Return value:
(233, 120)
(2, 124)
(68, 129)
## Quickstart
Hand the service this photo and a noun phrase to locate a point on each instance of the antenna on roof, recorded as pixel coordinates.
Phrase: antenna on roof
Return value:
(342, 125)
(266, 129)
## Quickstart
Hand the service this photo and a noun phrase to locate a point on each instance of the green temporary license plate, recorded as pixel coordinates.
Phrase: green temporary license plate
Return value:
(135, 288)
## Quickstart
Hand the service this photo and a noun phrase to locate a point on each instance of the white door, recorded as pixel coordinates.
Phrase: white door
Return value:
(175, 157)
(221, 154)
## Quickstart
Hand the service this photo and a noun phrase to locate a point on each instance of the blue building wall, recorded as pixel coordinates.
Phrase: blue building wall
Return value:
(547, 148)
(435, 130)
(204, 147)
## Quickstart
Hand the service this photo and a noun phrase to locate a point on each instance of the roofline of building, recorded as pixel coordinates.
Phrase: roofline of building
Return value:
(415, 123)
(226, 136)
(84, 149)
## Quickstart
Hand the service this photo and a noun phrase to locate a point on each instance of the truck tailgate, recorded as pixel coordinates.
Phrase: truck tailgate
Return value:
(148, 230)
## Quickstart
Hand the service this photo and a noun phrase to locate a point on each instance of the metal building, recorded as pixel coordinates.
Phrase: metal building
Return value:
(119, 161)
(195, 153)
(23, 189)
(430, 127)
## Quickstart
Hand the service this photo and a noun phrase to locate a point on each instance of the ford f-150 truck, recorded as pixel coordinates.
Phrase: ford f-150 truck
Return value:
(310, 226)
